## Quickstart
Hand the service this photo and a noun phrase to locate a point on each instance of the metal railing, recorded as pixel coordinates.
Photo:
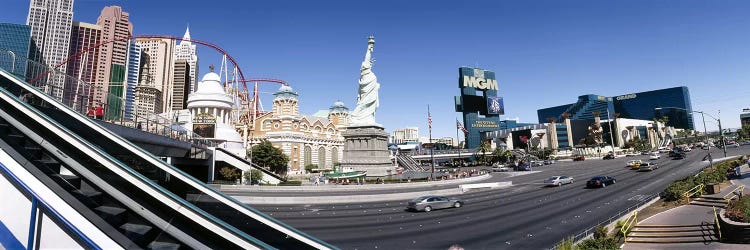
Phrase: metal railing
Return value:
(732, 194)
(629, 223)
(590, 231)
(78, 95)
(697, 189)
(716, 220)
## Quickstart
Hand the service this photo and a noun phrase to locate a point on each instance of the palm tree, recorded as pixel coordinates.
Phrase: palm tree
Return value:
(482, 150)
(502, 155)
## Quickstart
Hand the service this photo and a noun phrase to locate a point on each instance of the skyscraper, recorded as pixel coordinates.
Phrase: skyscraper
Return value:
(147, 97)
(15, 40)
(187, 51)
(160, 68)
(134, 69)
(116, 27)
(51, 22)
(181, 84)
(83, 67)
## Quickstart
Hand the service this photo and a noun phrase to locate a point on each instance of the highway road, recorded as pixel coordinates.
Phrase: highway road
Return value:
(524, 216)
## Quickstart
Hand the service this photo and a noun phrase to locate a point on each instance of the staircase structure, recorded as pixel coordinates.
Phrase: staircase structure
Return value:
(408, 163)
(688, 233)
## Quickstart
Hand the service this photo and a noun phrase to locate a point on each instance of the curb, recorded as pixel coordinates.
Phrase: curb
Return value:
(349, 199)
(353, 188)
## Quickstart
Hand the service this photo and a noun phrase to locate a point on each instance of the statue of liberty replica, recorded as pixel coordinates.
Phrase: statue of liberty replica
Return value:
(366, 147)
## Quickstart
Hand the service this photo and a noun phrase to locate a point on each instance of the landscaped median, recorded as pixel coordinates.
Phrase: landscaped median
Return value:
(708, 178)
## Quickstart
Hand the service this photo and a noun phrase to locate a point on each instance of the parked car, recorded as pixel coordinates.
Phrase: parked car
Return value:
(608, 157)
(648, 166)
(601, 181)
(654, 156)
(432, 202)
(549, 162)
(537, 163)
(579, 158)
(558, 180)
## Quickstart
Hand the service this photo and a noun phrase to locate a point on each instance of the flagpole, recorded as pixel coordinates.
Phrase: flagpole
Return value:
(432, 160)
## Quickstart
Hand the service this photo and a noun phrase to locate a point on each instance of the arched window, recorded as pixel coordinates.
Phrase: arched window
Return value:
(308, 155)
(334, 155)
(321, 157)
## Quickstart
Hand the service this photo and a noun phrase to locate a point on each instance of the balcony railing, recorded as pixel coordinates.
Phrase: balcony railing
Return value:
(78, 95)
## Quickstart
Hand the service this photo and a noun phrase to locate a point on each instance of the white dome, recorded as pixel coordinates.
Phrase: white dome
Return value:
(210, 84)
(211, 76)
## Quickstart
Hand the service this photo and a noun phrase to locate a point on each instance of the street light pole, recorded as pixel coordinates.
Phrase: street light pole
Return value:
(705, 131)
(611, 138)
(721, 132)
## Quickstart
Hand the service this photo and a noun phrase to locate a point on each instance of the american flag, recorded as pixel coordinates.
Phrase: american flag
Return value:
(429, 120)
(461, 127)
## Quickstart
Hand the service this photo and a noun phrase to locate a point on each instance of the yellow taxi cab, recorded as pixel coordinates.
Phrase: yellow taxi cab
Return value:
(635, 164)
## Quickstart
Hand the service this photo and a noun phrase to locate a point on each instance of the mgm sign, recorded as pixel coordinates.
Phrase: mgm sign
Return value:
(479, 104)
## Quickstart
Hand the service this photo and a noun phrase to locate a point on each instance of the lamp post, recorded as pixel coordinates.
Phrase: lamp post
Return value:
(611, 138)
(703, 117)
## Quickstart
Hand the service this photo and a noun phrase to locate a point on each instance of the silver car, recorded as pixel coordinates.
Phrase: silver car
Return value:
(431, 202)
(648, 166)
(558, 180)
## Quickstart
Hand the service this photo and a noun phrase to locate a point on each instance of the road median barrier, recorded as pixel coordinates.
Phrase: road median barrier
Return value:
(490, 185)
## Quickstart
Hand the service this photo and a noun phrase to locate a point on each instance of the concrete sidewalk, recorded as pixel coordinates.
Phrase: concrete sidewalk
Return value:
(691, 214)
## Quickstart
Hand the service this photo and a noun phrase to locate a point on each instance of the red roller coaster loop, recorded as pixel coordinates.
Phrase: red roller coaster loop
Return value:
(214, 46)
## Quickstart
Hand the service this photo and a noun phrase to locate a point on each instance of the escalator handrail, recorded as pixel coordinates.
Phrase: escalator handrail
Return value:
(113, 164)
(176, 173)
(53, 212)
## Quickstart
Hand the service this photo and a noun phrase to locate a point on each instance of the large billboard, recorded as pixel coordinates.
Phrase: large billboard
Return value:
(479, 104)
(495, 105)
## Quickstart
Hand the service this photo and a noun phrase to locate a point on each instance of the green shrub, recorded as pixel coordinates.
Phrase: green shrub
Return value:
(674, 191)
(739, 210)
(566, 244)
(598, 244)
(290, 183)
(600, 232)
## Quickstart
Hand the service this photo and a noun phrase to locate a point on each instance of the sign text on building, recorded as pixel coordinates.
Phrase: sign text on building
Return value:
(480, 83)
(485, 124)
(204, 118)
(625, 97)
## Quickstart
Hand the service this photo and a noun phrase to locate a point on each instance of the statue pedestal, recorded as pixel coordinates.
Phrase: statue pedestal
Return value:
(366, 148)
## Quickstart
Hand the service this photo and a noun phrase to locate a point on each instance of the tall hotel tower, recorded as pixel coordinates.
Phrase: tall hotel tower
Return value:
(51, 21)
(110, 80)
(187, 51)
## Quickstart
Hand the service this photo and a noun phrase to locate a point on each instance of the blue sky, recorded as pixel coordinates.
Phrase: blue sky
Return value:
(544, 53)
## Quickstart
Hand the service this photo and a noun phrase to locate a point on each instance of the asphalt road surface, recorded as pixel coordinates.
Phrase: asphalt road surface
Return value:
(524, 216)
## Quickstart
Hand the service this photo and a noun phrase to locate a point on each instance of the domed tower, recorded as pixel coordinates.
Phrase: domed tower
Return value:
(285, 102)
(211, 108)
(339, 114)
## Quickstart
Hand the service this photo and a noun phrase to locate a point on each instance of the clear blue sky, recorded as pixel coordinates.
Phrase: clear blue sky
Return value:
(544, 53)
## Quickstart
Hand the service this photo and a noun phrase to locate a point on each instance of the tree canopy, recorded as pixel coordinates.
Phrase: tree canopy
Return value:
(270, 157)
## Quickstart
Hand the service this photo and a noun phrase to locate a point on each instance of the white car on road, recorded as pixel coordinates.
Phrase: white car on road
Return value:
(558, 180)
(654, 156)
